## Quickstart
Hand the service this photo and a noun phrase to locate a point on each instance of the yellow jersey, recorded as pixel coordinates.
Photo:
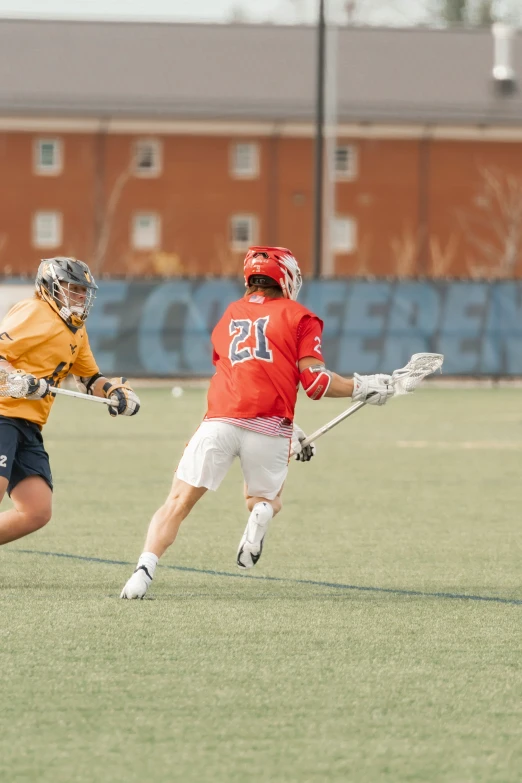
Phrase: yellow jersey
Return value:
(35, 339)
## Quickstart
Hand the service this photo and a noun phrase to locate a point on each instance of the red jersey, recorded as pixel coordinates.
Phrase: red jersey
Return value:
(257, 345)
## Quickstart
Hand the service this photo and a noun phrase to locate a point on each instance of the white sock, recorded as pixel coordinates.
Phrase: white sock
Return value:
(149, 561)
(258, 521)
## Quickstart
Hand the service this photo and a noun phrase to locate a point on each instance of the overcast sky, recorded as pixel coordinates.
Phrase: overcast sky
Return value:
(394, 12)
(280, 11)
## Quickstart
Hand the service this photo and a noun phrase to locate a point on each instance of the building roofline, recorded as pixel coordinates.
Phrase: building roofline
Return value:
(133, 67)
(158, 19)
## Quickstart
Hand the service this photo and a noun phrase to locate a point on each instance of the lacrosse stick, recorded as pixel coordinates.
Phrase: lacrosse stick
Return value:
(405, 380)
(6, 388)
(56, 390)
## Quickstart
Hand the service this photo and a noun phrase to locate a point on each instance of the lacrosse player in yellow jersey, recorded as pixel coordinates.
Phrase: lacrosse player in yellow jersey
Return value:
(42, 341)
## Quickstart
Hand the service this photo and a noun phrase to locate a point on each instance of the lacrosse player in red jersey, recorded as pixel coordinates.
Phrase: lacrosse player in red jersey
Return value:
(42, 340)
(263, 346)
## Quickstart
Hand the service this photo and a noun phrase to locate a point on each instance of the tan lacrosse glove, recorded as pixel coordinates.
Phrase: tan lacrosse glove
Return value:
(126, 401)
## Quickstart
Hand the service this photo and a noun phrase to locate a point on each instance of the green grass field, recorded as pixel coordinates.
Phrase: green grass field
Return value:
(351, 653)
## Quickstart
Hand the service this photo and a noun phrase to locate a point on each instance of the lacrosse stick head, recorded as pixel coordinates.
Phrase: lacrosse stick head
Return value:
(420, 365)
(4, 383)
(10, 385)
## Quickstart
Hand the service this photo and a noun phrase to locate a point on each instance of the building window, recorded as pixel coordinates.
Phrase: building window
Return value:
(245, 160)
(47, 229)
(147, 158)
(48, 156)
(345, 162)
(243, 231)
(146, 231)
(344, 234)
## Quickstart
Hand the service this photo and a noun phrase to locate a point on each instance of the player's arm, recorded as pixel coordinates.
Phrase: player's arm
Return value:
(319, 382)
(314, 376)
(89, 380)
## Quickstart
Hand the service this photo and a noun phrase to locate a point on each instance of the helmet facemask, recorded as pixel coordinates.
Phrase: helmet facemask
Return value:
(292, 275)
(74, 306)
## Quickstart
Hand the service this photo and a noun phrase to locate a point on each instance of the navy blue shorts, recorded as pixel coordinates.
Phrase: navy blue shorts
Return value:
(22, 452)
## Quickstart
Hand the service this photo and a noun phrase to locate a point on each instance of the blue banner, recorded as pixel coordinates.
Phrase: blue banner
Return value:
(162, 328)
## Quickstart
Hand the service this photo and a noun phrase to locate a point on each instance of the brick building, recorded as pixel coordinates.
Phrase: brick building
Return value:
(165, 149)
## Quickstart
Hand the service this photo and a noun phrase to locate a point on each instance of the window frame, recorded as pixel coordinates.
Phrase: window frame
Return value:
(253, 221)
(134, 222)
(352, 171)
(253, 171)
(52, 244)
(344, 248)
(157, 147)
(57, 167)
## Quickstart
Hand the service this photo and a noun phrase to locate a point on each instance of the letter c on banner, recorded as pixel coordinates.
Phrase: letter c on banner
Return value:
(153, 355)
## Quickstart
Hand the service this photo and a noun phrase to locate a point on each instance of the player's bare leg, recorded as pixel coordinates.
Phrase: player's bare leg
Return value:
(262, 511)
(161, 534)
(33, 502)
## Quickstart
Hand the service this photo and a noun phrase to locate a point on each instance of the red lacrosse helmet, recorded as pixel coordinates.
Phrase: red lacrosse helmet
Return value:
(277, 263)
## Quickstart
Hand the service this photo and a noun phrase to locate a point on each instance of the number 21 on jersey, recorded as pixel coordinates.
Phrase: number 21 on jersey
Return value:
(240, 331)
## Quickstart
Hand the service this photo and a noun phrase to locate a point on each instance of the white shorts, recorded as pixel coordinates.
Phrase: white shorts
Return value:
(213, 447)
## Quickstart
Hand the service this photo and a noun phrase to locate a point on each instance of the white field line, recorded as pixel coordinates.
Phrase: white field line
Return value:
(471, 445)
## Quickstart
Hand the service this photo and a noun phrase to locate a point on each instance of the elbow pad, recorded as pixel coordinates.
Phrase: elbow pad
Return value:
(315, 381)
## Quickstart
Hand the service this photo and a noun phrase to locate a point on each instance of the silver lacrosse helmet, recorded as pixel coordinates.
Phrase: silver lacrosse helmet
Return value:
(58, 281)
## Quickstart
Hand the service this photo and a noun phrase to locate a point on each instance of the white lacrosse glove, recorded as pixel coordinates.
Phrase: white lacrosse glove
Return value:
(42, 389)
(22, 384)
(17, 384)
(126, 401)
(301, 453)
(372, 389)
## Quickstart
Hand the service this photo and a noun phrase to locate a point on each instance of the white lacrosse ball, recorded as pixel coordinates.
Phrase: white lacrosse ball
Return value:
(177, 391)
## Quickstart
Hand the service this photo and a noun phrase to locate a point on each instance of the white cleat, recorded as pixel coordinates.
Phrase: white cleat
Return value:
(251, 545)
(138, 584)
(248, 554)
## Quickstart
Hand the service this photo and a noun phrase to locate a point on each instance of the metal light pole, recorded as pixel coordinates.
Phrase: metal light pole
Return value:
(319, 142)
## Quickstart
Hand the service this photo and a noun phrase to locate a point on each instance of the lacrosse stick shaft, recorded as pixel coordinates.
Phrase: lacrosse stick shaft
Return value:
(333, 423)
(4, 376)
(430, 363)
(67, 393)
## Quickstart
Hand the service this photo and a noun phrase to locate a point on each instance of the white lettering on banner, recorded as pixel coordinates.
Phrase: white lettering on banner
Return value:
(11, 294)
